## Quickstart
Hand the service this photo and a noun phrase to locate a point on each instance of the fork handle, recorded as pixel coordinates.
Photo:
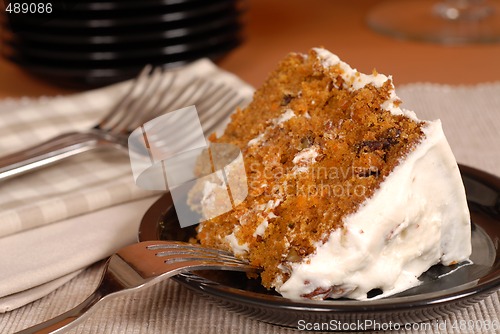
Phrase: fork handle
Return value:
(46, 153)
(65, 320)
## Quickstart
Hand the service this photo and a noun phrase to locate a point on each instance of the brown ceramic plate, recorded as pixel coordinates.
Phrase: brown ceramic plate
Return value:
(442, 291)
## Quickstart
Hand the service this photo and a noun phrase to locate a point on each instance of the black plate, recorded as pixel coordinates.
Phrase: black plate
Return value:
(63, 39)
(121, 30)
(432, 299)
(100, 53)
(99, 74)
(118, 5)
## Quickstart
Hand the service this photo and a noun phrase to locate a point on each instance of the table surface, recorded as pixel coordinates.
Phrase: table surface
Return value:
(274, 28)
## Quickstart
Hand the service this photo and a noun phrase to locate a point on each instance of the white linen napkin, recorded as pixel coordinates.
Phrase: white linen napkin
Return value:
(60, 219)
(40, 260)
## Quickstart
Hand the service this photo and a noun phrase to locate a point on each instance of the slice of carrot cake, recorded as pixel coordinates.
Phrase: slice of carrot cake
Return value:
(347, 192)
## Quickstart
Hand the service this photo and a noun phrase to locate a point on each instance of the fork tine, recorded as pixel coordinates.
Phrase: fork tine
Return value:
(196, 256)
(183, 255)
(145, 72)
(187, 95)
(138, 102)
(152, 258)
(162, 107)
(157, 108)
(157, 98)
(180, 100)
(173, 246)
(218, 92)
(154, 87)
(151, 100)
(209, 119)
(221, 104)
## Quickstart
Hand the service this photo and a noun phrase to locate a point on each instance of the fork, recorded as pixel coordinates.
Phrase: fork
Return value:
(146, 98)
(139, 266)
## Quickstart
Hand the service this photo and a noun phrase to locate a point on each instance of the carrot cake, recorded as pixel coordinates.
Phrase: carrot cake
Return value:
(347, 191)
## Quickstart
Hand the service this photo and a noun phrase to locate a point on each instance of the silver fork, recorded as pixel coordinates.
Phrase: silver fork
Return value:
(139, 266)
(146, 98)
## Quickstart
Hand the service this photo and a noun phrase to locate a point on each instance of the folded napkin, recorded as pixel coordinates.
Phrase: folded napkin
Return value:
(62, 218)
(42, 259)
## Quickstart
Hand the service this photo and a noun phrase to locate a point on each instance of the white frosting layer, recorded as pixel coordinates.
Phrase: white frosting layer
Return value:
(354, 80)
(304, 158)
(287, 115)
(235, 245)
(417, 218)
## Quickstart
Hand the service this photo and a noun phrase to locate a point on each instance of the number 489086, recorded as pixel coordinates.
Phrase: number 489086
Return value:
(29, 8)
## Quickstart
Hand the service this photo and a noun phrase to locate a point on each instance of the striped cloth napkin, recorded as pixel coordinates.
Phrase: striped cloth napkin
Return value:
(87, 182)
(60, 219)
(84, 183)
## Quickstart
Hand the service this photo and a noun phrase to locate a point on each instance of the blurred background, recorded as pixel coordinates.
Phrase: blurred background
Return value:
(89, 43)
(94, 43)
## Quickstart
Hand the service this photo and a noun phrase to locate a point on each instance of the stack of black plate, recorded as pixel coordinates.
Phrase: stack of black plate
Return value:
(98, 42)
